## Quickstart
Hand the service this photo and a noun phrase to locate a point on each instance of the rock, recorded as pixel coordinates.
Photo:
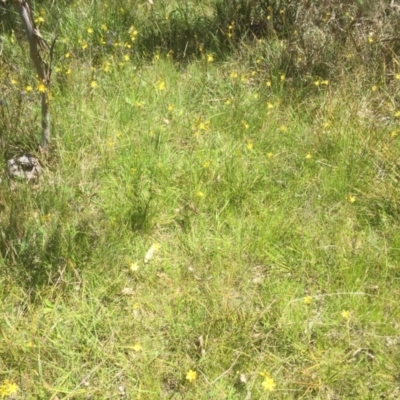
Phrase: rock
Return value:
(24, 167)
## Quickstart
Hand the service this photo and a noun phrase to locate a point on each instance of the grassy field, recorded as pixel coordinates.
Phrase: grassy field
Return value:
(206, 228)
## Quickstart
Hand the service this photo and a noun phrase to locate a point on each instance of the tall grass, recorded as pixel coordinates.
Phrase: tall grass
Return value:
(210, 224)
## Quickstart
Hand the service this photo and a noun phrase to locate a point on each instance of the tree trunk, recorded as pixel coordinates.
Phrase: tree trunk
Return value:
(36, 44)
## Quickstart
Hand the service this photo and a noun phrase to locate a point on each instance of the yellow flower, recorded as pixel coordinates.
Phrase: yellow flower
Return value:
(351, 198)
(268, 83)
(191, 375)
(270, 105)
(346, 314)
(8, 388)
(210, 58)
(84, 45)
(39, 20)
(206, 164)
(397, 114)
(307, 300)
(282, 77)
(233, 75)
(126, 57)
(67, 55)
(283, 128)
(93, 84)
(89, 31)
(160, 85)
(46, 218)
(41, 87)
(200, 194)
(137, 347)
(28, 88)
(14, 81)
(170, 107)
(245, 124)
(68, 72)
(104, 27)
(270, 155)
(374, 88)
(370, 40)
(134, 267)
(268, 384)
(308, 156)
(325, 82)
(395, 132)
(249, 144)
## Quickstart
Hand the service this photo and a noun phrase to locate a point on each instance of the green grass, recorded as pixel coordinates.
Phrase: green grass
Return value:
(260, 199)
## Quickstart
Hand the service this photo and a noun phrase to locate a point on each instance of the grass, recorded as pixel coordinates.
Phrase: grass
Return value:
(272, 215)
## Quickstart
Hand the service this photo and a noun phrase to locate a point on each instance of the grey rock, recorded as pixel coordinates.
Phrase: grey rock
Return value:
(24, 167)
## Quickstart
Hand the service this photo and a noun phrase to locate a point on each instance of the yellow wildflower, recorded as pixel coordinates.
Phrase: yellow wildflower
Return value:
(307, 300)
(283, 128)
(210, 58)
(191, 376)
(41, 87)
(160, 85)
(134, 267)
(233, 75)
(268, 83)
(137, 347)
(89, 31)
(93, 84)
(269, 385)
(8, 388)
(346, 314)
(308, 156)
(351, 198)
(28, 88)
(249, 144)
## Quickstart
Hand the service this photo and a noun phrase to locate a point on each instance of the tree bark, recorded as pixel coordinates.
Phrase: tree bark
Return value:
(37, 44)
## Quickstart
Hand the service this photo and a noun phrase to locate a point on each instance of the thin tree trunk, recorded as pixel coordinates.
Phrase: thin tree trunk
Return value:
(36, 44)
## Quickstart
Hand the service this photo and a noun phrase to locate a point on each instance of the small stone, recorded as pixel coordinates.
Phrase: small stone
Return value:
(24, 167)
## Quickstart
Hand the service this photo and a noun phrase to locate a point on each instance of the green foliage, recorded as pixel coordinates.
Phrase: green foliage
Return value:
(217, 219)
